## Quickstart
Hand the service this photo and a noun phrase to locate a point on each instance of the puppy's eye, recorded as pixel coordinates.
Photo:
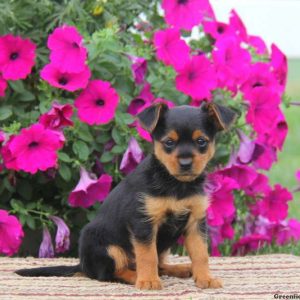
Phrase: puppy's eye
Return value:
(169, 143)
(201, 142)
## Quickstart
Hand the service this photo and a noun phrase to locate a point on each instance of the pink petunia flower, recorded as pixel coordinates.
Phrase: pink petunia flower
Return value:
(249, 243)
(197, 78)
(258, 44)
(185, 14)
(138, 68)
(97, 103)
(11, 233)
(259, 186)
(261, 155)
(34, 148)
(65, 80)
(62, 238)
(277, 133)
(274, 205)
(263, 111)
(132, 157)
(238, 26)
(67, 51)
(219, 233)
(279, 65)
(58, 117)
(231, 62)
(221, 198)
(170, 48)
(217, 30)
(88, 190)
(17, 57)
(260, 76)
(46, 248)
(3, 86)
(298, 175)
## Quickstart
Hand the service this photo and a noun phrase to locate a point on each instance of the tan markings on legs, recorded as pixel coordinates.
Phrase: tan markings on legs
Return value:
(119, 256)
(147, 266)
(126, 275)
(197, 250)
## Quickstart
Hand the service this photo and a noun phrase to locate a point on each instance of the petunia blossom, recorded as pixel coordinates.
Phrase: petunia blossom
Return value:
(249, 243)
(138, 68)
(11, 233)
(17, 57)
(185, 14)
(217, 30)
(3, 86)
(46, 248)
(34, 148)
(68, 81)
(238, 26)
(221, 198)
(252, 151)
(298, 175)
(274, 205)
(132, 156)
(260, 76)
(88, 190)
(58, 116)
(170, 48)
(67, 51)
(231, 61)
(263, 110)
(197, 78)
(279, 65)
(62, 238)
(276, 134)
(97, 104)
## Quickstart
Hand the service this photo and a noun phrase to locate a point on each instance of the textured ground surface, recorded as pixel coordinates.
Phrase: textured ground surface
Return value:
(256, 277)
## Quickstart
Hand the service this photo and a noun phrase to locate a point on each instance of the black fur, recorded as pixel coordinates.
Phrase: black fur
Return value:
(121, 216)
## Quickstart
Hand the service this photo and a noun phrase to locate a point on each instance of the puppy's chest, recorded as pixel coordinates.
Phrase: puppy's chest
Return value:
(158, 209)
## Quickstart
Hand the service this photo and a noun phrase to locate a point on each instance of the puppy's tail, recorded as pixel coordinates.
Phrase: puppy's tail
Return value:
(62, 271)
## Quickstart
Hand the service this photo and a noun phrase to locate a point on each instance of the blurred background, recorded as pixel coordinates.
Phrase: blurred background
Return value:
(277, 21)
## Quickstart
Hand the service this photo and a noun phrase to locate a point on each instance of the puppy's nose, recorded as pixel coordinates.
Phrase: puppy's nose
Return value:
(185, 163)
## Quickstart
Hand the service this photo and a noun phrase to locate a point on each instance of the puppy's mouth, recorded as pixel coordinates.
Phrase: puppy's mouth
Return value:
(186, 176)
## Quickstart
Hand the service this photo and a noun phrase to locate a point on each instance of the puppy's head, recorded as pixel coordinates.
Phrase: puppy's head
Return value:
(184, 136)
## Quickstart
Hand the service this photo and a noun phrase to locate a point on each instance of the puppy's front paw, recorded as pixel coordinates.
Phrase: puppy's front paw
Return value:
(208, 282)
(154, 284)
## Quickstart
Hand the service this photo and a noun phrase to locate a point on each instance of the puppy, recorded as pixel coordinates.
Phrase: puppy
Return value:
(162, 199)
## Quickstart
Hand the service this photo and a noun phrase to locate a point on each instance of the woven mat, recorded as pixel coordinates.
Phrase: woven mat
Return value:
(252, 277)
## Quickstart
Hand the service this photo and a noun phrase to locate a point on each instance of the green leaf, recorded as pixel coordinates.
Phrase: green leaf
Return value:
(64, 157)
(85, 134)
(116, 135)
(17, 86)
(24, 189)
(81, 149)
(26, 96)
(5, 113)
(65, 172)
(106, 157)
(117, 149)
(30, 221)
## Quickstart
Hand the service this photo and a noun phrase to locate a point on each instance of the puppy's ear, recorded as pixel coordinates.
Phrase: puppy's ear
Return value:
(222, 116)
(150, 116)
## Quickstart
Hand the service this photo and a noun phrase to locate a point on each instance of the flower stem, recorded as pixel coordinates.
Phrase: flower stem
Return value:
(296, 103)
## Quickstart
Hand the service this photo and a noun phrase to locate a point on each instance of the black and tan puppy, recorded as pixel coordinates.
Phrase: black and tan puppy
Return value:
(144, 215)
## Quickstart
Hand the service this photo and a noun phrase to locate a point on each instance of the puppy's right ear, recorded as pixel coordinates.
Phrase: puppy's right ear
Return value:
(150, 116)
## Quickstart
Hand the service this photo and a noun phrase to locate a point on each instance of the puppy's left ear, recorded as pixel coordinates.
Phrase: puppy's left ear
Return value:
(150, 116)
(222, 116)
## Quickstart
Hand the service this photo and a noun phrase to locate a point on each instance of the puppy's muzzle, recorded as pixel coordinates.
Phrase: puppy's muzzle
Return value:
(185, 163)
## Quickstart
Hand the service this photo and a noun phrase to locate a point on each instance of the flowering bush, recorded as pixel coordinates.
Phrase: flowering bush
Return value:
(71, 84)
